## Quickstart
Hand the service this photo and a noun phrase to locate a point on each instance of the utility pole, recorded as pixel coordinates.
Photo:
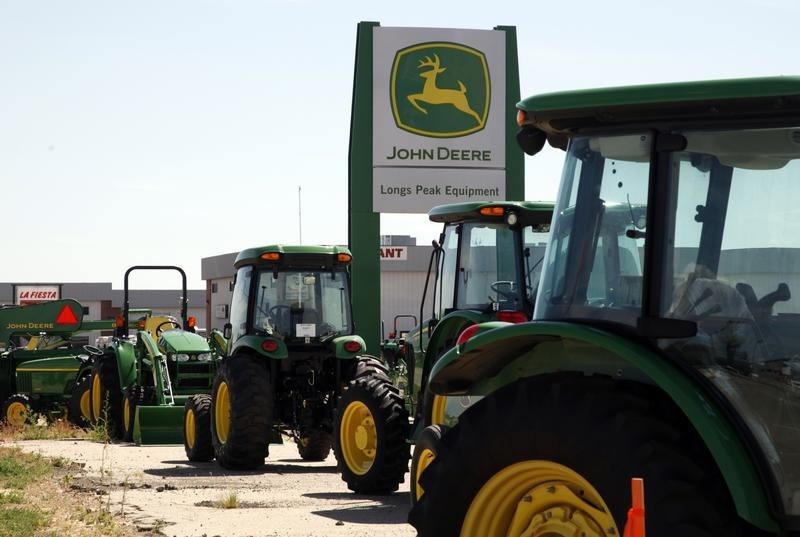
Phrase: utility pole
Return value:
(300, 215)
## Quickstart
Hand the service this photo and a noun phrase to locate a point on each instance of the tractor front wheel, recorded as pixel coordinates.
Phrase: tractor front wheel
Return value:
(554, 455)
(314, 445)
(197, 428)
(130, 400)
(242, 403)
(425, 451)
(17, 410)
(106, 396)
(79, 410)
(371, 427)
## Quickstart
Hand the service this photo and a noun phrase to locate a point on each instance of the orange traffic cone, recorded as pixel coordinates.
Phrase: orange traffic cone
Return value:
(634, 527)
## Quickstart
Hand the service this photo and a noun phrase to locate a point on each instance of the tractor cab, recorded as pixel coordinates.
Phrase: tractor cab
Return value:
(678, 223)
(297, 295)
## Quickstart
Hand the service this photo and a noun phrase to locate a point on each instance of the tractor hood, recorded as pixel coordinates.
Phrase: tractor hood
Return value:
(182, 341)
(68, 362)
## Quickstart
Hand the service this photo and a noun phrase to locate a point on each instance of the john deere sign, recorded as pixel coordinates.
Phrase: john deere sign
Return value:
(439, 117)
(440, 90)
(433, 122)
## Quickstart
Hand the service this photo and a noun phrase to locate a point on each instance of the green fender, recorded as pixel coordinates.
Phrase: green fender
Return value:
(253, 343)
(495, 358)
(51, 376)
(340, 352)
(443, 337)
(125, 353)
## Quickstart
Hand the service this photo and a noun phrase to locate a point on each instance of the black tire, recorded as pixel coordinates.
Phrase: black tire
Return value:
(197, 428)
(79, 408)
(380, 468)
(249, 392)
(314, 445)
(426, 450)
(602, 430)
(130, 400)
(17, 410)
(106, 396)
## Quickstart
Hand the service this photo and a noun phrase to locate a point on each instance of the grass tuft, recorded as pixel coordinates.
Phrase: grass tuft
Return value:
(228, 501)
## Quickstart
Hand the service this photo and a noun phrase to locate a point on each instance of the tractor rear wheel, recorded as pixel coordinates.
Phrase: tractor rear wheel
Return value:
(17, 410)
(425, 451)
(371, 427)
(242, 402)
(106, 396)
(314, 445)
(554, 455)
(79, 410)
(197, 428)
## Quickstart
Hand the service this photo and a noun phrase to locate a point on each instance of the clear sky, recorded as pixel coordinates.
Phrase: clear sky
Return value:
(165, 131)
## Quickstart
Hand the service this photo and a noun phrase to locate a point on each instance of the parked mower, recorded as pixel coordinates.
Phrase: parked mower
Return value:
(141, 382)
(665, 343)
(294, 365)
(41, 370)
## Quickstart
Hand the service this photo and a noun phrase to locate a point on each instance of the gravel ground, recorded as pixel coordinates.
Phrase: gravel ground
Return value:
(156, 487)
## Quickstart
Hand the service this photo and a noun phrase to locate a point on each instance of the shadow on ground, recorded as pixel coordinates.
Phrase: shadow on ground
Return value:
(186, 468)
(391, 509)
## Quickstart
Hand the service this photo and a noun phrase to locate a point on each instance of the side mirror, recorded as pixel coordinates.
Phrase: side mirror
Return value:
(227, 330)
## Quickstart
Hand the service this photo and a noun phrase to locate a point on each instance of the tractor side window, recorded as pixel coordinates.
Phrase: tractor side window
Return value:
(487, 274)
(447, 266)
(534, 243)
(239, 302)
(266, 298)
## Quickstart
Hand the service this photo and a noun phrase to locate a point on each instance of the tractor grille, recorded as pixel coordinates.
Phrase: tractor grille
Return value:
(24, 382)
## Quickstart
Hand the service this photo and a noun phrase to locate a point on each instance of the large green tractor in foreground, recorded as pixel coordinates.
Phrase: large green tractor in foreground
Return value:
(485, 267)
(141, 382)
(47, 374)
(666, 332)
(294, 365)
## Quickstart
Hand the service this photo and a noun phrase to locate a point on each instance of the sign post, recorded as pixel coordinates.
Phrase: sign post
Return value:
(433, 122)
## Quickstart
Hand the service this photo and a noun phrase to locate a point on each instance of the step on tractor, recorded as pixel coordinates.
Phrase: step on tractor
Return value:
(665, 341)
(141, 381)
(294, 365)
(485, 267)
(42, 371)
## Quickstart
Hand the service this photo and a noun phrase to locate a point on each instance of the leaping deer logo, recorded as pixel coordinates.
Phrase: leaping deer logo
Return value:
(432, 94)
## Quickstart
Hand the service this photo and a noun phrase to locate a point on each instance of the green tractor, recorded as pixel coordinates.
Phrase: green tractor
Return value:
(665, 338)
(293, 365)
(47, 374)
(141, 382)
(485, 267)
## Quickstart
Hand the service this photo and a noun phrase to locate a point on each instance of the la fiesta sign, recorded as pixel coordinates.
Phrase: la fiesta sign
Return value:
(34, 294)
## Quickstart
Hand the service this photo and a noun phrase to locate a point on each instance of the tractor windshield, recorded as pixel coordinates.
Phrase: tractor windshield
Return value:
(302, 304)
(480, 267)
(728, 243)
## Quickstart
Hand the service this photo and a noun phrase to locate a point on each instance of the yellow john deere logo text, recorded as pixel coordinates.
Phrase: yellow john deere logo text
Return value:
(440, 90)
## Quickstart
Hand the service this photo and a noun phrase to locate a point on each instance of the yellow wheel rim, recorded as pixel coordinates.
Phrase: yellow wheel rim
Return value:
(126, 414)
(222, 412)
(438, 409)
(97, 396)
(17, 414)
(86, 403)
(425, 459)
(189, 427)
(359, 438)
(538, 498)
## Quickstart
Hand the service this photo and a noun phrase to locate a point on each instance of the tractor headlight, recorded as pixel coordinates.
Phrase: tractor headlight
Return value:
(182, 357)
(204, 357)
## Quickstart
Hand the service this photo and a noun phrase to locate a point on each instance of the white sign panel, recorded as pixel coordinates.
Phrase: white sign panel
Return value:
(438, 104)
(417, 190)
(32, 294)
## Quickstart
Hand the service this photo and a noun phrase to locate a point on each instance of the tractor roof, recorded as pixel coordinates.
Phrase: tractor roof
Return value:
(712, 101)
(528, 212)
(324, 257)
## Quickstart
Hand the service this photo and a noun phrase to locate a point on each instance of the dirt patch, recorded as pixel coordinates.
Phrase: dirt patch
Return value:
(156, 489)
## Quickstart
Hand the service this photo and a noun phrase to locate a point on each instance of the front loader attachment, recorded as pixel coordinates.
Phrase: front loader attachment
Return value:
(158, 425)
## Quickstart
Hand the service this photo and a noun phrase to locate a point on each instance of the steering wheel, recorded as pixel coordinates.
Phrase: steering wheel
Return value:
(91, 349)
(276, 311)
(159, 328)
(507, 294)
